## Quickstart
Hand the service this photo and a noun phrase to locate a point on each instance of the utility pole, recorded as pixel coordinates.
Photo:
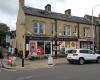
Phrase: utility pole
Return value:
(93, 30)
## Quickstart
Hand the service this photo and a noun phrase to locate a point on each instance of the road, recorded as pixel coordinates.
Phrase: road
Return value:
(59, 72)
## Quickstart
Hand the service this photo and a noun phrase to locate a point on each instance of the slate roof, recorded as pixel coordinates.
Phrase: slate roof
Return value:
(53, 15)
(96, 20)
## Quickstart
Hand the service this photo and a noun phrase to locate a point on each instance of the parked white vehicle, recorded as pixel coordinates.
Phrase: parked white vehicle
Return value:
(82, 55)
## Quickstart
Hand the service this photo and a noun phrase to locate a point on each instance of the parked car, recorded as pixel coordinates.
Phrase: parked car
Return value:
(97, 52)
(82, 55)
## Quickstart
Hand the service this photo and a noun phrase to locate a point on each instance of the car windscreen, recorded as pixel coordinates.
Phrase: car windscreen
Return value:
(71, 51)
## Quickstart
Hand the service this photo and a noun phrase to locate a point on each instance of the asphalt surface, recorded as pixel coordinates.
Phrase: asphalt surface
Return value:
(90, 71)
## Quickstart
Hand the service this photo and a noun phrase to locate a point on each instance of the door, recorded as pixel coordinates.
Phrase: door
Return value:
(85, 54)
(92, 55)
(47, 48)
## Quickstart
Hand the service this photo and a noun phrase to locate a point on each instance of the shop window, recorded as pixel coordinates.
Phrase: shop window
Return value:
(67, 44)
(73, 44)
(32, 47)
(40, 48)
(86, 45)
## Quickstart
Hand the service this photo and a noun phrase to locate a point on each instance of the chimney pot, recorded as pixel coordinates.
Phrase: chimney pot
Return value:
(68, 12)
(99, 16)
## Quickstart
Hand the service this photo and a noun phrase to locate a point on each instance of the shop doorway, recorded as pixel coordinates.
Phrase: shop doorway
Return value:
(47, 48)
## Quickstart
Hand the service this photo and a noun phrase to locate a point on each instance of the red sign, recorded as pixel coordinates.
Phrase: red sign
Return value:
(40, 50)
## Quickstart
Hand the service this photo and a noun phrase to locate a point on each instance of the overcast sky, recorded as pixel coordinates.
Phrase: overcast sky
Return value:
(9, 8)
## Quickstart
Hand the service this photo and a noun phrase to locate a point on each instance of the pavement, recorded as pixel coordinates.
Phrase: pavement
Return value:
(36, 64)
(29, 64)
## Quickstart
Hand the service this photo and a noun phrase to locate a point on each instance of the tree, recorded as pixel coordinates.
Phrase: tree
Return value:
(4, 29)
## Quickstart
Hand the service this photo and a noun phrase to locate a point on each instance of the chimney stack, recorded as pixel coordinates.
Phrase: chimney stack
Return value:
(48, 8)
(21, 3)
(68, 12)
(99, 15)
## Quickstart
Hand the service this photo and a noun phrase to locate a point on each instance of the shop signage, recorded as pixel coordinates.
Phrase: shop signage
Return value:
(87, 39)
(40, 38)
(47, 38)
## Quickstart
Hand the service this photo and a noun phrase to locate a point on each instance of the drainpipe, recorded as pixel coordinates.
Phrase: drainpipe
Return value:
(99, 37)
(78, 36)
(78, 31)
(56, 37)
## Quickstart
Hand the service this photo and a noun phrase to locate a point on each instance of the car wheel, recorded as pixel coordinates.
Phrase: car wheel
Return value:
(81, 61)
(98, 60)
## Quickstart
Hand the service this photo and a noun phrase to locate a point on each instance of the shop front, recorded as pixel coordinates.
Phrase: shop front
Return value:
(40, 45)
(86, 43)
(44, 45)
(68, 42)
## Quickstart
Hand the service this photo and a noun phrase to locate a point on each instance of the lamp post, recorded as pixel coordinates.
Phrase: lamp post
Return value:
(24, 45)
(93, 25)
(56, 37)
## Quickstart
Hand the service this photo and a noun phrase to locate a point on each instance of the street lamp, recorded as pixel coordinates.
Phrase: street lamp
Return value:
(56, 37)
(24, 46)
(93, 24)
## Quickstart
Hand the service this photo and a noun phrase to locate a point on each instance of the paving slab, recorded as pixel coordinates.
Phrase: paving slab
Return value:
(36, 64)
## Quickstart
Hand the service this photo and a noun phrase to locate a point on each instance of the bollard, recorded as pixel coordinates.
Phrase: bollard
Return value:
(9, 60)
(13, 61)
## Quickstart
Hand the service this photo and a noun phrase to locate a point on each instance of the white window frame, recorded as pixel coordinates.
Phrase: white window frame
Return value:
(38, 30)
(66, 32)
(53, 28)
(76, 30)
(87, 32)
